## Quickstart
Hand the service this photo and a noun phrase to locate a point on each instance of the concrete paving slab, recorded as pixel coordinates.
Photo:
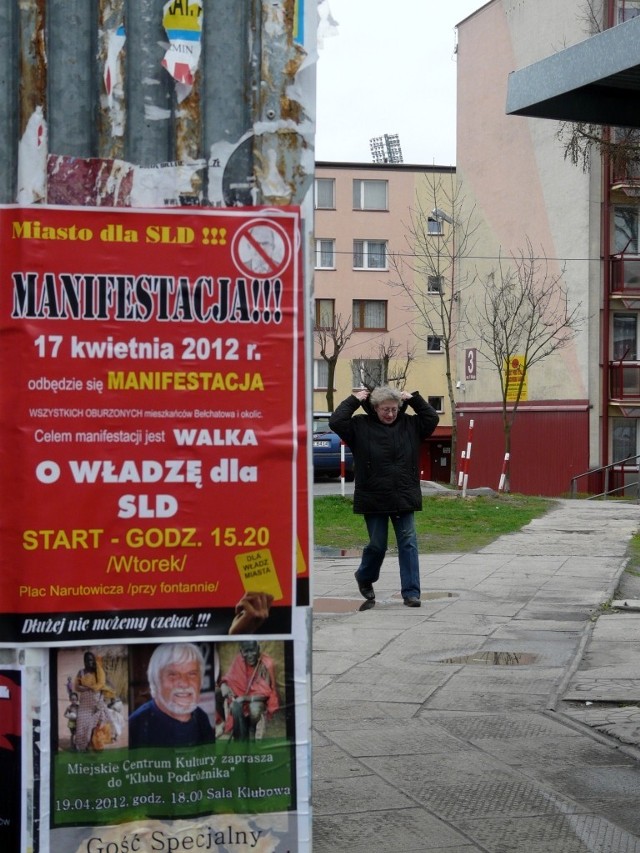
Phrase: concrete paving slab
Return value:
(331, 762)
(360, 711)
(462, 699)
(586, 784)
(399, 738)
(504, 679)
(333, 663)
(419, 778)
(621, 723)
(621, 626)
(550, 834)
(503, 726)
(352, 690)
(586, 688)
(411, 830)
(335, 796)
(523, 622)
(485, 798)
(549, 753)
(470, 624)
(417, 755)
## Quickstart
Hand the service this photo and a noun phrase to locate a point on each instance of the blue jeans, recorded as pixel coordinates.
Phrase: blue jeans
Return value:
(373, 553)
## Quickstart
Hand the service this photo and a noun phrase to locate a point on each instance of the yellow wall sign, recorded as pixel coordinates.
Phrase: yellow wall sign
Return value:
(515, 373)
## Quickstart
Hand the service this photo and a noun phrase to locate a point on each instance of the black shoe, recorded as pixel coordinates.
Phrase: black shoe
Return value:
(366, 590)
(412, 601)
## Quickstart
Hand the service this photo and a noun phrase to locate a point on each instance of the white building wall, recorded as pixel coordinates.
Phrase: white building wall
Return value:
(343, 284)
(515, 176)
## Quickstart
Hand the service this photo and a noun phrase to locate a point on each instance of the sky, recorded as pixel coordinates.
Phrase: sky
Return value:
(389, 68)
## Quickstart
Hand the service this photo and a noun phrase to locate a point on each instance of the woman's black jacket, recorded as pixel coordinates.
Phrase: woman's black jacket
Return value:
(386, 456)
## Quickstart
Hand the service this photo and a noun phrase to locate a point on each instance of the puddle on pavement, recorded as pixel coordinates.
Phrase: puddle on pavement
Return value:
(352, 605)
(330, 551)
(341, 605)
(494, 659)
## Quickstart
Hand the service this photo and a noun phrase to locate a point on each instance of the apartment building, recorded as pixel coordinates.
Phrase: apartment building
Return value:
(581, 406)
(363, 248)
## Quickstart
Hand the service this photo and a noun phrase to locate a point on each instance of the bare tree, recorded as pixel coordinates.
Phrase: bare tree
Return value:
(582, 139)
(332, 340)
(522, 318)
(438, 236)
(395, 371)
(386, 367)
(620, 144)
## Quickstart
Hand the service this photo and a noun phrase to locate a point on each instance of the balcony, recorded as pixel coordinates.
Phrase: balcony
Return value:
(624, 380)
(625, 275)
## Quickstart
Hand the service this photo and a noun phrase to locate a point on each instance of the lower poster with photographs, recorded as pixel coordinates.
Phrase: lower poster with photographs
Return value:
(173, 747)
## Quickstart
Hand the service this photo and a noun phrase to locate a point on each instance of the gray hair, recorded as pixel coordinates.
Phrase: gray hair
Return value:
(168, 653)
(384, 393)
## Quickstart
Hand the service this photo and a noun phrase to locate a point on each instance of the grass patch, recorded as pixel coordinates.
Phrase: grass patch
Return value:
(446, 524)
(633, 550)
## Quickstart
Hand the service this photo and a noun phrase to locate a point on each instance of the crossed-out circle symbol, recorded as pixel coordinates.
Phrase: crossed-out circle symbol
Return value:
(261, 248)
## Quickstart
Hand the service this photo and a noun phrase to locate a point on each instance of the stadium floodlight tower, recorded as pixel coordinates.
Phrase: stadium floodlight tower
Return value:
(386, 149)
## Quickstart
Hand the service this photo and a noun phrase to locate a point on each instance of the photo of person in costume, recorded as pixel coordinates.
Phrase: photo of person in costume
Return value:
(247, 695)
(90, 701)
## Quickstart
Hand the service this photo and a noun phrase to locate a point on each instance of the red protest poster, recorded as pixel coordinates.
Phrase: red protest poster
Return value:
(149, 415)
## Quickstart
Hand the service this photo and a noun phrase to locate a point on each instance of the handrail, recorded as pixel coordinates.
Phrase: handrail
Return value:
(612, 466)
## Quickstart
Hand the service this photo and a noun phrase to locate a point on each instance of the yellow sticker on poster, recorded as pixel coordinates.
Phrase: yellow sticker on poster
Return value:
(258, 573)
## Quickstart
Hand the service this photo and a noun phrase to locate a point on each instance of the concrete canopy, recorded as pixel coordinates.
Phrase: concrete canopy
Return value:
(596, 81)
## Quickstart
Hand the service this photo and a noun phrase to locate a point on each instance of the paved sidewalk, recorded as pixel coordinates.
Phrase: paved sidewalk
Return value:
(464, 725)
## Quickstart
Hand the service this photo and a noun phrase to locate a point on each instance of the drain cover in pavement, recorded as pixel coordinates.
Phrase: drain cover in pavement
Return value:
(495, 658)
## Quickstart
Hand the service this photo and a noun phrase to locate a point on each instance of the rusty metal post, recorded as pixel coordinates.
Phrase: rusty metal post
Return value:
(280, 144)
(32, 62)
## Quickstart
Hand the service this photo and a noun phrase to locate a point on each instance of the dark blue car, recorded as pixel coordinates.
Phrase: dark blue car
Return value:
(326, 450)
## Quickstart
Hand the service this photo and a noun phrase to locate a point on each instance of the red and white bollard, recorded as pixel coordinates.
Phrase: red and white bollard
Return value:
(343, 468)
(503, 476)
(463, 459)
(466, 457)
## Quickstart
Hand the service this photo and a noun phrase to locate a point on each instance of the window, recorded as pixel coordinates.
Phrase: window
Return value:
(320, 374)
(625, 337)
(434, 343)
(434, 226)
(369, 314)
(325, 194)
(366, 372)
(629, 168)
(434, 283)
(625, 223)
(628, 9)
(325, 313)
(437, 403)
(624, 439)
(325, 254)
(369, 254)
(370, 195)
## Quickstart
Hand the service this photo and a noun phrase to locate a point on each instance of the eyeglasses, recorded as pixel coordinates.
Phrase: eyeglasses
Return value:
(390, 411)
